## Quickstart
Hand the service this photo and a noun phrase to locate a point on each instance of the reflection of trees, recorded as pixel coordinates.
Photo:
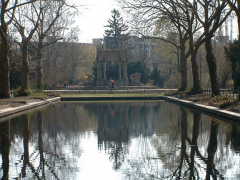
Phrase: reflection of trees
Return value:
(26, 138)
(211, 150)
(47, 145)
(185, 161)
(143, 118)
(40, 144)
(195, 133)
(34, 152)
(193, 167)
(29, 160)
(118, 121)
(178, 173)
(235, 136)
(5, 147)
(48, 159)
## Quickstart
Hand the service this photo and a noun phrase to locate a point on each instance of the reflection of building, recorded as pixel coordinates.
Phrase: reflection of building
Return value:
(118, 121)
(113, 134)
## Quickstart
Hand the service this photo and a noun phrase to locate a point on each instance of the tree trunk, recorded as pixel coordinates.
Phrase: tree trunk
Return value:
(4, 62)
(39, 64)
(183, 68)
(238, 18)
(195, 68)
(212, 67)
(195, 72)
(25, 68)
(73, 72)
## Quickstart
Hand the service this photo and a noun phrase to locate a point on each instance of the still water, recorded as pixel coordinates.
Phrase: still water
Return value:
(118, 140)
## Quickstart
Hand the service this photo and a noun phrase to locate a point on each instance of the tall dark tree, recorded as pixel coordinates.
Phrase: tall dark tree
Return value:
(26, 31)
(177, 19)
(116, 33)
(157, 77)
(7, 13)
(50, 13)
(211, 14)
(235, 5)
(233, 55)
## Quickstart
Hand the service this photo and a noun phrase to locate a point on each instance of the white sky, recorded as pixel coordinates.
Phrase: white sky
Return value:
(93, 17)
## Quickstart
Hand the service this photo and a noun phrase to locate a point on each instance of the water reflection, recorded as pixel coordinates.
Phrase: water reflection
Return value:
(5, 147)
(235, 136)
(118, 140)
(26, 138)
(113, 132)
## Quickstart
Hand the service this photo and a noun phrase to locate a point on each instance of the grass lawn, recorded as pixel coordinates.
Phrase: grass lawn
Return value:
(35, 95)
(114, 95)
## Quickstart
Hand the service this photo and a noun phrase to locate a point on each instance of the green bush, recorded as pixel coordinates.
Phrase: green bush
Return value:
(222, 97)
(158, 78)
(140, 67)
(17, 92)
(38, 94)
(191, 91)
(233, 55)
(222, 101)
(73, 81)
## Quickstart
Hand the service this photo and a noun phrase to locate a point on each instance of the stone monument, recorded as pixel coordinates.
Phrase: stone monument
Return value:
(106, 55)
(135, 79)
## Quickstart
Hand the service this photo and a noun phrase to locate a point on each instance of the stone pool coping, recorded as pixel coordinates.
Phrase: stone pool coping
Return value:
(14, 110)
(210, 110)
(111, 98)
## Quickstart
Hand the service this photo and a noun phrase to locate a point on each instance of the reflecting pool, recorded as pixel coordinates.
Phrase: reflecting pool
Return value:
(118, 140)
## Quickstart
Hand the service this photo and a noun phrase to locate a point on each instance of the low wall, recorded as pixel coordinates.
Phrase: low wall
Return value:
(15, 110)
(108, 98)
(210, 110)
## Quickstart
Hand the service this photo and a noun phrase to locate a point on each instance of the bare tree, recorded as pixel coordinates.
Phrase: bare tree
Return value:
(152, 13)
(52, 11)
(235, 5)
(179, 20)
(211, 14)
(26, 26)
(7, 13)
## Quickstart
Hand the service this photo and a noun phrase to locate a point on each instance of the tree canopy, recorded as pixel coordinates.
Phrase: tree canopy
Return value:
(116, 33)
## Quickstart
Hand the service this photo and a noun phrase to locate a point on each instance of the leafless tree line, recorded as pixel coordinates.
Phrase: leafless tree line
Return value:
(193, 22)
(34, 21)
